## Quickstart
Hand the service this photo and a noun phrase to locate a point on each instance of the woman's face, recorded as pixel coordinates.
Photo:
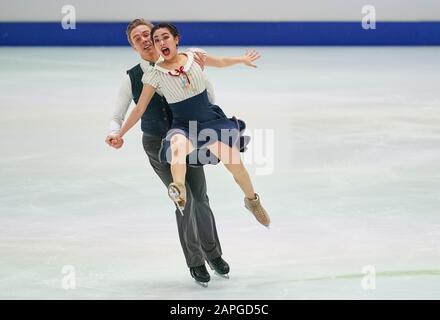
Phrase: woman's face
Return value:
(165, 43)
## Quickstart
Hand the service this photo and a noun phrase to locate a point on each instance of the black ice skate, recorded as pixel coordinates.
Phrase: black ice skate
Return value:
(220, 266)
(200, 275)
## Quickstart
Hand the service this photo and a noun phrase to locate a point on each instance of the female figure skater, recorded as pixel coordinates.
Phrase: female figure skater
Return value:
(181, 81)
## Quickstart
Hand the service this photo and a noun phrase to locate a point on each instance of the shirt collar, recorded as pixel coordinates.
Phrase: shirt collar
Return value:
(145, 65)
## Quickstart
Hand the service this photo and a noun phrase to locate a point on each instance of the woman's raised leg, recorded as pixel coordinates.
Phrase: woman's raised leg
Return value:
(232, 161)
(180, 148)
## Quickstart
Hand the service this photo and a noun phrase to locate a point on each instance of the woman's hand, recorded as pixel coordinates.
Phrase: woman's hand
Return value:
(114, 140)
(200, 59)
(250, 57)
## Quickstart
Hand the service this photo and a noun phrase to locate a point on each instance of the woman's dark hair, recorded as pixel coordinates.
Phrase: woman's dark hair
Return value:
(171, 28)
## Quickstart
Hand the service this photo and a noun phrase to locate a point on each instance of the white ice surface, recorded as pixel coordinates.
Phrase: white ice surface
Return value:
(356, 179)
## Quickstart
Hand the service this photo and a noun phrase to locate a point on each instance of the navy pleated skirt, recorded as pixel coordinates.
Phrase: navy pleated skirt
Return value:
(203, 124)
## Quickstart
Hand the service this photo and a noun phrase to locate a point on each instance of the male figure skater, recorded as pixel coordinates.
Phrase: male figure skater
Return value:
(197, 230)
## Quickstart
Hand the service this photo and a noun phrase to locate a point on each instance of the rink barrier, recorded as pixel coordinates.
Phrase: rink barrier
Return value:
(229, 34)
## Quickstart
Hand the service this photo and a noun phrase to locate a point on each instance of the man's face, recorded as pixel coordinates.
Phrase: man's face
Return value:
(140, 37)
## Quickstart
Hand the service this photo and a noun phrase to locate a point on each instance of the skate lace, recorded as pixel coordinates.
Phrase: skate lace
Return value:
(258, 210)
(201, 269)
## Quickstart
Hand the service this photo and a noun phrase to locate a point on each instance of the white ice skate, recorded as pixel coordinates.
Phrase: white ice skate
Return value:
(255, 207)
(177, 193)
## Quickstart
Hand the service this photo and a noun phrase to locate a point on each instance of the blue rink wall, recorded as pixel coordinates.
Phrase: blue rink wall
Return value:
(229, 34)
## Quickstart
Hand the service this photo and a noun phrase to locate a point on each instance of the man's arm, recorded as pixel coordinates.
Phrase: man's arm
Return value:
(144, 100)
(122, 104)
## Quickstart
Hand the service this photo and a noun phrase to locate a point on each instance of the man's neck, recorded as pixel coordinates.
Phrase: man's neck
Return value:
(150, 58)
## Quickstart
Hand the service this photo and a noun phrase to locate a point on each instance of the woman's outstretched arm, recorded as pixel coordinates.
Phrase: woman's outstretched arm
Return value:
(221, 62)
(138, 111)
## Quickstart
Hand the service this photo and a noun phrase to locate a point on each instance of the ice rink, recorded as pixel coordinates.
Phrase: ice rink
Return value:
(350, 174)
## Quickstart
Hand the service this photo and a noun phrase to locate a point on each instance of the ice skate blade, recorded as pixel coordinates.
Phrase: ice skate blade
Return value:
(179, 208)
(202, 284)
(224, 276)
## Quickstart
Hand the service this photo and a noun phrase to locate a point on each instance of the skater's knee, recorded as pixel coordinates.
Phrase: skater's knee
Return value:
(178, 145)
(178, 141)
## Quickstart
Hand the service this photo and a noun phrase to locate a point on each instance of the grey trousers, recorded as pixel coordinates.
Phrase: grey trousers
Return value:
(197, 230)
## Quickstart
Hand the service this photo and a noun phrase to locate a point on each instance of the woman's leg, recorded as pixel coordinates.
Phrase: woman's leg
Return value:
(232, 161)
(180, 148)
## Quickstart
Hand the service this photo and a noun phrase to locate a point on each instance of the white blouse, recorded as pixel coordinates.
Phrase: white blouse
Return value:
(181, 84)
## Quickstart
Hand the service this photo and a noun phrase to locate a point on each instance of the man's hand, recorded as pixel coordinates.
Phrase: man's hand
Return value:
(200, 58)
(114, 140)
(250, 57)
